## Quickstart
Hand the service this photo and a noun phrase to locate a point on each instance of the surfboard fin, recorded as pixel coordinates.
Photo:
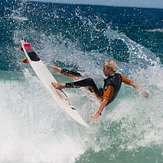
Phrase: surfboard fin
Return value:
(25, 60)
(21, 48)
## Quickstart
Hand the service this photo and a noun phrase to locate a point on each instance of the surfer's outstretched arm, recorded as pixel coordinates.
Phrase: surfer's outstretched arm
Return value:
(140, 89)
(131, 83)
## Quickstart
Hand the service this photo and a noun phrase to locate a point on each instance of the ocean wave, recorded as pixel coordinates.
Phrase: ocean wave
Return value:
(156, 30)
(18, 18)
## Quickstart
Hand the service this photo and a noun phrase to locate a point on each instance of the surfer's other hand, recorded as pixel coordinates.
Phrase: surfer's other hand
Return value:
(95, 117)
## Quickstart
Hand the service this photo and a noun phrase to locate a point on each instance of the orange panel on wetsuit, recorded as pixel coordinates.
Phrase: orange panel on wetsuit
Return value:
(108, 94)
(69, 75)
(125, 80)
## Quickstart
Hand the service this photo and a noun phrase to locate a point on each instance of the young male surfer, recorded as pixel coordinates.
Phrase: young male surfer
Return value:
(111, 87)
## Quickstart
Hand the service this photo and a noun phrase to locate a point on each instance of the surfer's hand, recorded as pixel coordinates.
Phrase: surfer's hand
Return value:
(145, 94)
(95, 117)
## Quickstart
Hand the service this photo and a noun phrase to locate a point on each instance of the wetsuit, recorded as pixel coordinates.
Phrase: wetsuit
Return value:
(110, 90)
(70, 73)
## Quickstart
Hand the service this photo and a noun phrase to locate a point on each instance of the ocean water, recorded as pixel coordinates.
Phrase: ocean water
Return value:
(33, 129)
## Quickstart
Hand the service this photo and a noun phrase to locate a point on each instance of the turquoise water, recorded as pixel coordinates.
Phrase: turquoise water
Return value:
(78, 37)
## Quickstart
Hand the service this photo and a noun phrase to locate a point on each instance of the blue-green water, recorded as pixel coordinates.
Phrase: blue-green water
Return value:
(34, 129)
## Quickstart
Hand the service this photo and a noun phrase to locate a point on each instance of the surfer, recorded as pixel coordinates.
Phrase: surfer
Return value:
(106, 94)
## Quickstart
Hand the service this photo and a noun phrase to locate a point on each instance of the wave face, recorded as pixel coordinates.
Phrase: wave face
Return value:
(80, 37)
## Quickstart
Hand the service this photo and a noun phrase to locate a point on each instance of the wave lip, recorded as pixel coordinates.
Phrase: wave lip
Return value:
(156, 30)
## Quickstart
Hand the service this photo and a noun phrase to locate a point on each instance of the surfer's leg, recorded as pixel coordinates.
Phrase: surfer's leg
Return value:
(89, 82)
(55, 68)
(66, 72)
(59, 85)
(81, 83)
(70, 73)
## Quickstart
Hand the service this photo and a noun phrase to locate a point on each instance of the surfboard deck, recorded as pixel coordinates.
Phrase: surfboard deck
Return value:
(46, 78)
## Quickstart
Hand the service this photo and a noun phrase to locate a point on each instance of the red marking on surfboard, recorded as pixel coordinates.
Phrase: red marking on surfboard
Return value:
(27, 46)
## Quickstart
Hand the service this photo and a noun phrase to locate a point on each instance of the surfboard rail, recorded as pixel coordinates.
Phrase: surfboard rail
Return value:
(46, 78)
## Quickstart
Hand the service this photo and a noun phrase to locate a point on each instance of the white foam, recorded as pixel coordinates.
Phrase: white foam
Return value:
(32, 126)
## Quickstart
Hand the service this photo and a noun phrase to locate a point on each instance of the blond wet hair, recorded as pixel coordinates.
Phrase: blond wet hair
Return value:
(111, 64)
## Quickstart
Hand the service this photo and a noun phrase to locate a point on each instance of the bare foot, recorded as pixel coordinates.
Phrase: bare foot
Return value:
(55, 68)
(58, 85)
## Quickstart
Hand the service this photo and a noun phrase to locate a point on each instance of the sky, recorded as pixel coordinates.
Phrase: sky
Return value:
(123, 3)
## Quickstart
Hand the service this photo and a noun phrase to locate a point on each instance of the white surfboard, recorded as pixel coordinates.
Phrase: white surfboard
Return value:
(46, 78)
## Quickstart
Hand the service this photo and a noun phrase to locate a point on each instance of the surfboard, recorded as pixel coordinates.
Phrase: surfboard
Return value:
(46, 78)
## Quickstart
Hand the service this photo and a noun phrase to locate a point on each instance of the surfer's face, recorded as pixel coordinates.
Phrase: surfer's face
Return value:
(106, 71)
